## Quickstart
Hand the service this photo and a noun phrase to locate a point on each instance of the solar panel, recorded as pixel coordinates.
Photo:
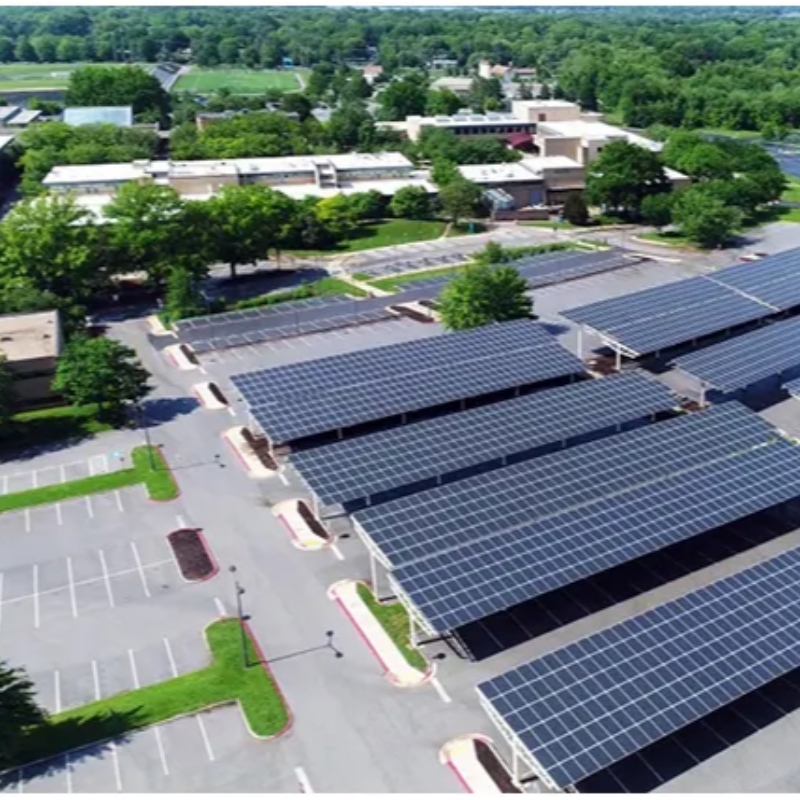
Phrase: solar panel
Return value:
(793, 387)
(480, 507)
(311, 414)
(774, 279)
(267, 386)
(745, 360)
(462, 585)
(357, 468)
(586, 706)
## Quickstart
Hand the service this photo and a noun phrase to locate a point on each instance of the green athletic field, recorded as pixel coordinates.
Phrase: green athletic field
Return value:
(238, 81)
(22, 77)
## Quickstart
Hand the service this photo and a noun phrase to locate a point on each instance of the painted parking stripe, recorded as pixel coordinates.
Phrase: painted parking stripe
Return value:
(115, 759)
(204, 734)
(1, 600)
(89, 508)
(119, 500)
(220, 607)
(57, 691)
(96, 680)
(161, 754)
(440, 690)
(72, 598)
(134, 671)
(106, 578)
(302, 779)
(35, 595)
(171, 658)
(27, 520)
(68, 773)
(63, 472)
(59, 519)
(139, 566)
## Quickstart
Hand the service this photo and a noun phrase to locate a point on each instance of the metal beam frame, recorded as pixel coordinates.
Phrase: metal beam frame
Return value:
(413, 612)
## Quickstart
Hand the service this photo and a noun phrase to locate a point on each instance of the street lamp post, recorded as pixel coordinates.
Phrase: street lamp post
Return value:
(146, 429)
(240, 614)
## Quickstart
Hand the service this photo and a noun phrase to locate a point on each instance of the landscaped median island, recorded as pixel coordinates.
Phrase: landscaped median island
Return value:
(148, 468)
(394, 620)
(225, 680)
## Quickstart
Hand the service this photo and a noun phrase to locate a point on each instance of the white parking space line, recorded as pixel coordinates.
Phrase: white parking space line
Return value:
(139, 566)
(89, 508)
(96, 680)
(119, 500)
(337, 552)
(161, 754)
(35, 595)
(134, 671)
(206, 742)
(282, 478)
(57, 691)
(63, 472)
(72, 598)
(19, 781)
(5, 484)
(58, 514)
(106, 578)
(33, 479)
(220, 607)
(181, 523)
(440, 690)
(115, 759)
(302, 779)
(172, 665)
(68, 773)
(27, 520)
(1, 599)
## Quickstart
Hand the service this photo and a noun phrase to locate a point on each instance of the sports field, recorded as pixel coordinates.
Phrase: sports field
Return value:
(238, 81)
(21, 77)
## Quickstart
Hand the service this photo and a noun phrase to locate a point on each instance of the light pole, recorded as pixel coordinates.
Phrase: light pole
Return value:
(143, 426)
(240, 614)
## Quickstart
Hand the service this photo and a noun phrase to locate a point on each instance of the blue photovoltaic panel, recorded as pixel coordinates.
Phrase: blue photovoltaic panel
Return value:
(774, 279)
(446, 382)
(362, 467)
(464, 584)
(480, 507)
(409, 359)
(793, 387)
(745, 360)
(586, 706)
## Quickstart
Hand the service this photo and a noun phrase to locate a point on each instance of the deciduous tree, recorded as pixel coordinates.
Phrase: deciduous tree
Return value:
(704, 218)
(411, 202)
(460, 199)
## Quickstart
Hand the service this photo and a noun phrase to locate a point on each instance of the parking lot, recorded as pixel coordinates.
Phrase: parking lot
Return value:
(22, 480)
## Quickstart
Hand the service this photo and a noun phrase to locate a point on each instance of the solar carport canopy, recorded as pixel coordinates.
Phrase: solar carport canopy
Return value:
(744, 360)
(359, 468)
(544, 552)
(316, 397)
(447, 518)
(793, 387)
(586, 706)
(664, 316)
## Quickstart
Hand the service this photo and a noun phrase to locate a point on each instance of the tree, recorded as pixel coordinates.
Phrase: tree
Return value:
(460, 199)
(23, 51)
(445, 172)
(622, 175)
(404, 98)
(704, 218)
(183, 298)
(482, 294)
(411, 202)
(297, 103)
(101, 371)
(369, 205)
(246, 221)
(117, 86)
(575, 210)
(51, 243)
(442, 102)
(657, 209)
(486, 94)
(7, 398)
(338, 214)
(19, 710)
(148, 232)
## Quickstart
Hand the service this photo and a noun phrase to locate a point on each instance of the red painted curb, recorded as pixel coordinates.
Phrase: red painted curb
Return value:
(199, 397)
(171, 358)
(363, 635)
(265, 664)
(235, 450)
(289, 528)
(459, 776)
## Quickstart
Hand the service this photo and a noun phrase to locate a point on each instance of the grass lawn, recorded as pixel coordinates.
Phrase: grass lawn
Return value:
(158, 480)
(225, 680)
(394, 619)
(383, 234)
(792, 192)
(238, 81)
(324, 287)
(549, 223)
(671, 238)
(16, 77)
(730, 134)
(789, 215)
(50, 424)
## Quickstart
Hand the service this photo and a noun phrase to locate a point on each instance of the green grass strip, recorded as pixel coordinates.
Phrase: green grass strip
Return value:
(397, 282)
(225, 680)
(394, 619)
(158, 479)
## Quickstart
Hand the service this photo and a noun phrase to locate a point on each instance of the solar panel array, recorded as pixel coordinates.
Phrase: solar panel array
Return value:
(586, 706)
(475, 509)
(661, 317)
(329, 394)
(273, 385)
(253, 326)
(454, 588)
(745, 360)
(793, 387)
(357, 468)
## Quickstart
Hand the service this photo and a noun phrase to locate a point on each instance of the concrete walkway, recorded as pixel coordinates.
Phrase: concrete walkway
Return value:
(397, 669)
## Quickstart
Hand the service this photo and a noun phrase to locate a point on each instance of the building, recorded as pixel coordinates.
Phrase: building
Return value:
(295, 176)
(31, 344)
(457, 84)
(487, 70)
(464, 124)
(583, 140)
(17, 117)
(371, 72)
(119, 116)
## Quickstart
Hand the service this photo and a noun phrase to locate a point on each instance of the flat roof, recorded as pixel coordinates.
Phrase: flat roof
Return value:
(512, 172)
(5, 141)
(121, 116)
(592, 130)
(28, 336)
(24, 117)
(93, 173)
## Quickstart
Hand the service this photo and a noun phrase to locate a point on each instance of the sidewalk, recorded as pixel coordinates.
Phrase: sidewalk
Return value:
(397, 669)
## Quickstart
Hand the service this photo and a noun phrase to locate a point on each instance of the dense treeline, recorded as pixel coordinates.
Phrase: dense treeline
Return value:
(730, 68)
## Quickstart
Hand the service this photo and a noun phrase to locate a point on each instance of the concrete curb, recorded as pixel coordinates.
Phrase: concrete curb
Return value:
(157, 327)
(254, 467)
(303, 538)
(461, 765)
(420, 678)
(175, 354)
(206, 398)
(209, 553)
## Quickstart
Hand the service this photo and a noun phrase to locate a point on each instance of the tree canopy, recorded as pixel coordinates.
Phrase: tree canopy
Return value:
(18, 710)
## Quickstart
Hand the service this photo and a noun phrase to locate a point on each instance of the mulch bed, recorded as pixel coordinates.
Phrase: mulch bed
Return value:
(189, 353)
(261, 448)
(308, 516)
(603, 365)
(214, 389)
(496, 769)
(194, 560)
